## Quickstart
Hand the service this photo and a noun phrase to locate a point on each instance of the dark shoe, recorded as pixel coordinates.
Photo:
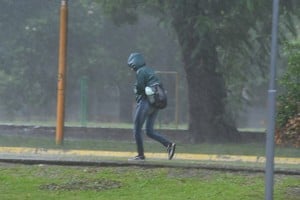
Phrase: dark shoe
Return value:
(137, 158)
(171, 150)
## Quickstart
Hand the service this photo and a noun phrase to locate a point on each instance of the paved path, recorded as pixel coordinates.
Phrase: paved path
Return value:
(6, 152)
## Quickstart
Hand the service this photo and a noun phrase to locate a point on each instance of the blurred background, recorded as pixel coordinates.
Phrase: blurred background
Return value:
(98, 79)
(99, 83)
(212, 56)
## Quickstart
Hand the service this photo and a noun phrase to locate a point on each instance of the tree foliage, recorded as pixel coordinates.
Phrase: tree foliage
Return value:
(288, 120)
(221, 42)
(23, 29)
(224, 46)
(289, 83)
(97, 49)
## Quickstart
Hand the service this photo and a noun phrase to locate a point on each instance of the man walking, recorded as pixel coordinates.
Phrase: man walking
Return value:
(145, 112)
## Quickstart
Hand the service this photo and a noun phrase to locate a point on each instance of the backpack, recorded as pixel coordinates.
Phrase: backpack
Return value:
(157, 96)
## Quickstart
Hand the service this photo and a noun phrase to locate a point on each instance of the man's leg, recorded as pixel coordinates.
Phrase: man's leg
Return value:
(157, 136)
(150, 130)
(139, 119)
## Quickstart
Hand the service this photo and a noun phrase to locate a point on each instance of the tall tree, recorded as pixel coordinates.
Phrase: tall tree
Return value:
(28, 67)
(27, 52)
(204, 28)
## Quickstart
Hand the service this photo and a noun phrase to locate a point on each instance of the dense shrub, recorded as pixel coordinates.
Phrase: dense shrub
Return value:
(288, 118)
(290, 134)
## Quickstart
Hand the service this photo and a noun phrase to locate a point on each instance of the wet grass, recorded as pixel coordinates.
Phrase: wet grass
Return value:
(90, 124)
(59, 182)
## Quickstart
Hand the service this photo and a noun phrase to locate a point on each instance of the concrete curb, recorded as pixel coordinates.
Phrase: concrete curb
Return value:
(110, 158)
(178, 156)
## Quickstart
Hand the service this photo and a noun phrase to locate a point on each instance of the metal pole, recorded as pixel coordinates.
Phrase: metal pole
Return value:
(61, 72)
(269, 179)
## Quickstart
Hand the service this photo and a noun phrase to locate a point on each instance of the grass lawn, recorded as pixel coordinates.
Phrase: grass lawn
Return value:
(61, 182)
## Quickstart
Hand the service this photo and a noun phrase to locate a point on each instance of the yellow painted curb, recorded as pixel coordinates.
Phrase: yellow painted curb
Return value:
(180, 156)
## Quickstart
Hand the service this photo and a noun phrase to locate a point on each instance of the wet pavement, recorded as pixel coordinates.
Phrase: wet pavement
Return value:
(112, 158)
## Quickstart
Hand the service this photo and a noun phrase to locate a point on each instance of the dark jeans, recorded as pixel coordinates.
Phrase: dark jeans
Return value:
(145, 112)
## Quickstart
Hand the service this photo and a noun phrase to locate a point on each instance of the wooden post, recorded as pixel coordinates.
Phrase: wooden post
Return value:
(61, 72)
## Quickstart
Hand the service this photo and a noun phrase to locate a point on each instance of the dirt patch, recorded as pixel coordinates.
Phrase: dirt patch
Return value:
(293, 191)
(83, 185)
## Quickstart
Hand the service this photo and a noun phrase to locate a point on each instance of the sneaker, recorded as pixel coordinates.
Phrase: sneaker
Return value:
(137, 158)
(171, 150)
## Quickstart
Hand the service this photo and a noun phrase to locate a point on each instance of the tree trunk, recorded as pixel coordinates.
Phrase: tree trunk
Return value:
(208, 121)
(207, 94)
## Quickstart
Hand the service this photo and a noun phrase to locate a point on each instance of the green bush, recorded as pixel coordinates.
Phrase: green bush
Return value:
(289, 83)
(289, 99)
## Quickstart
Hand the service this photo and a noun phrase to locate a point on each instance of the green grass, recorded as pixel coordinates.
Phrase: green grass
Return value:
(19, 182)
(91, 124)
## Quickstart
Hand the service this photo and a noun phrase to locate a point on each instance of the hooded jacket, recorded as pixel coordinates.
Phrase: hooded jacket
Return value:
(145, 76)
